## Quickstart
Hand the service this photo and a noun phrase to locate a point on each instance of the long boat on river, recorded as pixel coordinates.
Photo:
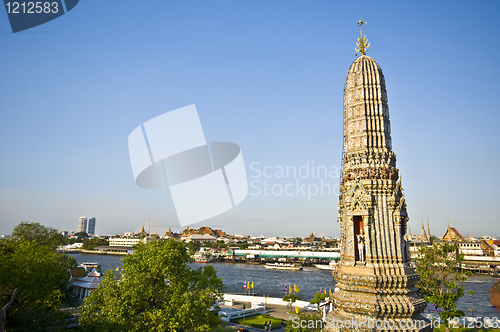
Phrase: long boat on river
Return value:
(283, 266)
(331, 266)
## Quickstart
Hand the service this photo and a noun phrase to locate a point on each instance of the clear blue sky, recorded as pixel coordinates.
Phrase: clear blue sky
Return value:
(266, 75)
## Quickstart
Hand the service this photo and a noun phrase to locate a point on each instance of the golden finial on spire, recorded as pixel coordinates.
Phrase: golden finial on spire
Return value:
(362, 44)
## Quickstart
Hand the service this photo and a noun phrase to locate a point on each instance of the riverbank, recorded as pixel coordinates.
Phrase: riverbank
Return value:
(303, 258)
(92, 252)
(310, 281)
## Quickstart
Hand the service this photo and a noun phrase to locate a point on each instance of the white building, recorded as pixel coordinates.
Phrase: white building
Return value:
(496, 247)
(471, 248)
(82, 225)
(128, 242)
(199, 238)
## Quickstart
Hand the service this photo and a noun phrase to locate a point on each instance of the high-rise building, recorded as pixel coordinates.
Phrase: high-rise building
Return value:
(375, 279)
(82, 225)
(91, 230)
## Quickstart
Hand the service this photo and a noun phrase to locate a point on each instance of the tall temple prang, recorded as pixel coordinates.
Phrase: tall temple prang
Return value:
(374, 278)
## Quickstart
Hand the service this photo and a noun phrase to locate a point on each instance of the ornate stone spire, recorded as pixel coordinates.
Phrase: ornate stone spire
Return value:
(428, 229)
(374, 277)
(366, 110)
(423, 236)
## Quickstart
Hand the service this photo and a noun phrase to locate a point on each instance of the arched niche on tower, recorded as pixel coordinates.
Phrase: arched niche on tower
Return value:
(359, 228)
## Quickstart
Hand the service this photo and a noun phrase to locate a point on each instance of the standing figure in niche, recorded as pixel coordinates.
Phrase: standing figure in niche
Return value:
(361, 245)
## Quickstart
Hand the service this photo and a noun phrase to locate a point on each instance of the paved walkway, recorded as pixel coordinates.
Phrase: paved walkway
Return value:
(254, 329)
(278, 311)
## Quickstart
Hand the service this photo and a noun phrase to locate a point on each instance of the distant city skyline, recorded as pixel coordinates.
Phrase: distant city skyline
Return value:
(269, 76)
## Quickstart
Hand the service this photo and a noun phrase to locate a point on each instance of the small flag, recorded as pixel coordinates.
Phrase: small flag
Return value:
(321, 290)
(251, 286)
(325, 291)
(435, 306)
(285, 290)
(168, 282)
(248, 285)
(290, 288)
(331, 292)
(296, 288)
(117, 268)
(245, 285)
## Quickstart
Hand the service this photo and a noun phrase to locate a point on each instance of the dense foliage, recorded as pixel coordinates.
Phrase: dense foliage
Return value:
(89, 244)
(318, 297)
(33, 231)
(155, 291)
(442, 277)
(193, 247)
(290, 299)
(40, 274)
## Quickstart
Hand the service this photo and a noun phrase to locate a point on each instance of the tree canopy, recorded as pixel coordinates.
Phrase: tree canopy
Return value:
(290, 299)
(41, 276)
(442, 277)
(155, 291)
(318, 297)
(90, 244)
(193, 247)
(33, 231)
(81, 235)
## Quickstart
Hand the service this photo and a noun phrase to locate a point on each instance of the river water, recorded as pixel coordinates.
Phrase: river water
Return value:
(310, 281)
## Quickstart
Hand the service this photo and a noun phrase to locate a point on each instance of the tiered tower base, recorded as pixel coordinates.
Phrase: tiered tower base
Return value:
(337, 323)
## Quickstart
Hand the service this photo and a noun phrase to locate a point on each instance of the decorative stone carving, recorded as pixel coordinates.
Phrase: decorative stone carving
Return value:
(374, 278)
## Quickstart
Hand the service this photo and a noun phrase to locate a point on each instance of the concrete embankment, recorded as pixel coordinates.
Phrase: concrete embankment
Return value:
(267, 300)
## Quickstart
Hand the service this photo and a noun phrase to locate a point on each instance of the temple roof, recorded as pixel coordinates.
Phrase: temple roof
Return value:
(91, 281)
(452, 234)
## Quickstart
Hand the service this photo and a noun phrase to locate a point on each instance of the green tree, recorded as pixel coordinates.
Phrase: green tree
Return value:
(442, 277)
(290, 298)
(193, 247)
(318, 297)
(81, 236)
(155, 291)
(89, 244)
(41, 276)
(33, 231)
